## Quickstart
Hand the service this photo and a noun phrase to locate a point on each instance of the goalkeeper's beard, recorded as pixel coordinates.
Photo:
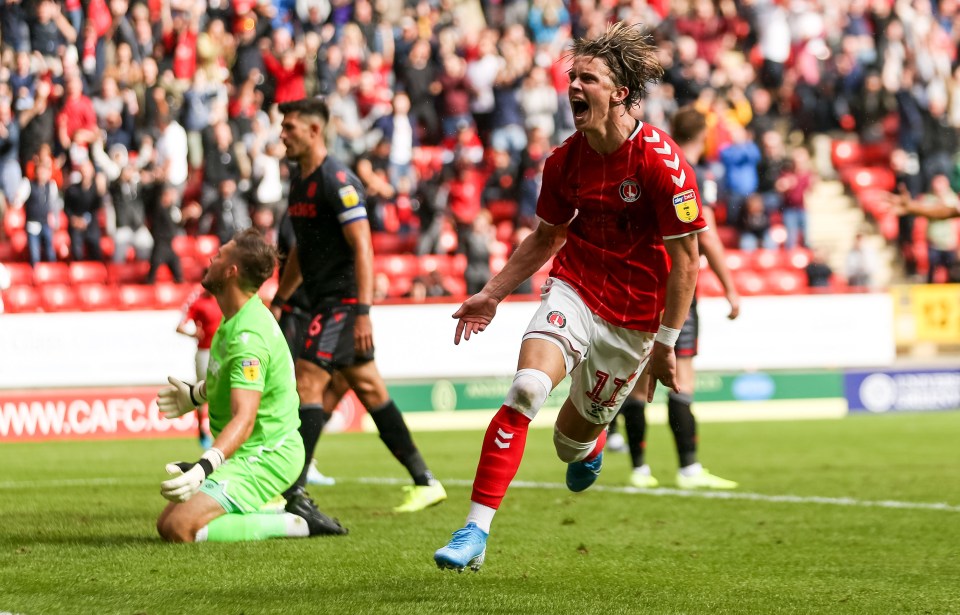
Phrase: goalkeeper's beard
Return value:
(211, 285)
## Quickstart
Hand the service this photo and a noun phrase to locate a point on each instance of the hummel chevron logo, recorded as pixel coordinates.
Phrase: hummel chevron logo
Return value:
(506, 436)
(665, 150)
(673, 164)
(679, 180)
(653, 138)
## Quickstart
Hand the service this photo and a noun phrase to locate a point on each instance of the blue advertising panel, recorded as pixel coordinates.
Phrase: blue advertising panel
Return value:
(902, 390)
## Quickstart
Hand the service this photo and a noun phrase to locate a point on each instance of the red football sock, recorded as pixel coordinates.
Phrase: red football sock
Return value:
(500, 456)
(601, 442)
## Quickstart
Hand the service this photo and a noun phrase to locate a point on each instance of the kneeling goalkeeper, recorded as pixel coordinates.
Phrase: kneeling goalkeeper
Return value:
(257, 452)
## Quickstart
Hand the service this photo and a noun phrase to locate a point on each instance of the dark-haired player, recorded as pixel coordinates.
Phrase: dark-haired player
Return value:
(688, 129)
(333, 260)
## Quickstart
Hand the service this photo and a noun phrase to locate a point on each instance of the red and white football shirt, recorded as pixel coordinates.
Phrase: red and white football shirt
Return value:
(205, 312)
(620, 206)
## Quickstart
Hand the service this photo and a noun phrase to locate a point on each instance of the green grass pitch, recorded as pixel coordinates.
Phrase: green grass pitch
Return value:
(77, 530)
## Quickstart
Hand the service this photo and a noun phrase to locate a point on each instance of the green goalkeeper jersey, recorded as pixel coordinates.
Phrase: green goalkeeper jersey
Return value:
(249, 352)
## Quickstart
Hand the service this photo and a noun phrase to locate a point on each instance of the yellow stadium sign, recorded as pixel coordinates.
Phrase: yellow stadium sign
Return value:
(933, 312)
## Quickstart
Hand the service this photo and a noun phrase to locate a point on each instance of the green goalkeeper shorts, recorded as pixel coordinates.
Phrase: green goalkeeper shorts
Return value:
(244, 484)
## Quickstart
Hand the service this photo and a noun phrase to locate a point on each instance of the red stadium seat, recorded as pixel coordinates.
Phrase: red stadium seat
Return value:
(729, 237)
(170, 295)
(397, 264)
(58, 298)
(876, 153)
(456, 285)
(14, 220)
(391, 243)
(128, 273)
(845, 154)
(749, 282)
(18, 241)
(865, 178)
(502, 210)
(21, 274)
(193, 269)
(736, 260)
(107, 246)
(205, 247)
(708, 284)
(51, 273)
(88, 271)
(137, 297)
(768, 259)
(61, 244)
(399, 286)
(184, 245)
(446, 264)
(799, 258)
(786, 281)
(18, 299)
(97, 296)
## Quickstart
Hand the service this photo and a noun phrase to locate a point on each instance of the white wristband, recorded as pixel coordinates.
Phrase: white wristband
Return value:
(214, 456)
(667, 336)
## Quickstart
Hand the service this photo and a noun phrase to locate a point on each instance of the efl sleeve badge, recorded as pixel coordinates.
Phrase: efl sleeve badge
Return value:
(685, 204)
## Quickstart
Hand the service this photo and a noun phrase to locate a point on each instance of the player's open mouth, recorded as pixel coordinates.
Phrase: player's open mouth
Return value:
(580, 108)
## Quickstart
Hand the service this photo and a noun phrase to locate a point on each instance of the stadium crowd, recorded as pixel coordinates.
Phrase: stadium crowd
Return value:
(127, 124)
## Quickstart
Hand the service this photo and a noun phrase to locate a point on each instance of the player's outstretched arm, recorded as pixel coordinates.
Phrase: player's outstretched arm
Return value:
(681, 283)
(539, 246)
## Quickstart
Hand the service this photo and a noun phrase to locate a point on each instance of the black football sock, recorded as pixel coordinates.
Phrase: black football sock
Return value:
(684, 427)
(394, 433)
(312, 420)
(612, 427)
(635, 424)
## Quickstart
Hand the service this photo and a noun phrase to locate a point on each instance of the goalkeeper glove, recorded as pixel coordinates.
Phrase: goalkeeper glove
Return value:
(188, 477)
(181, 398)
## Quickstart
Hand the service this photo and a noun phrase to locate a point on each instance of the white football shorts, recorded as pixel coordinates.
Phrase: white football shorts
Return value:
(602, 359)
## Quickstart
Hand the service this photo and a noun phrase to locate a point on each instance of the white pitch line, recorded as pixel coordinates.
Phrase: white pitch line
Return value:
(707, 495)
(521, 484)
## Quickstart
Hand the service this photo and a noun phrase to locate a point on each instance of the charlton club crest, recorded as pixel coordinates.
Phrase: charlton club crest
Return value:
(629, 190)
(557, 319)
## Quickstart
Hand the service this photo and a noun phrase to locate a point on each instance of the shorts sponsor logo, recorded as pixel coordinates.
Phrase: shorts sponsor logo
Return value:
(349, 196)
(685, 203)
(629, 190)
(557, 319)
(251, 369)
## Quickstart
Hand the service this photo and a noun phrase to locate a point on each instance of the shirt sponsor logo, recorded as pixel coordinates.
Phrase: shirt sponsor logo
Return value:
(685, 203)
(557, 319)
(303, 210)
(349, 196)
(251, 369)
(629, 190)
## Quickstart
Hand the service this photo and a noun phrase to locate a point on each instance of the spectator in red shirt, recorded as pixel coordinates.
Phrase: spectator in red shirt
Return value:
(287, 71)
(77, 120)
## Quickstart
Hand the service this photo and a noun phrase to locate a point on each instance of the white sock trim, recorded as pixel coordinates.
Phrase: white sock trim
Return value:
(481, 515)
(201, 535)
(296, 526)
(691, 470)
